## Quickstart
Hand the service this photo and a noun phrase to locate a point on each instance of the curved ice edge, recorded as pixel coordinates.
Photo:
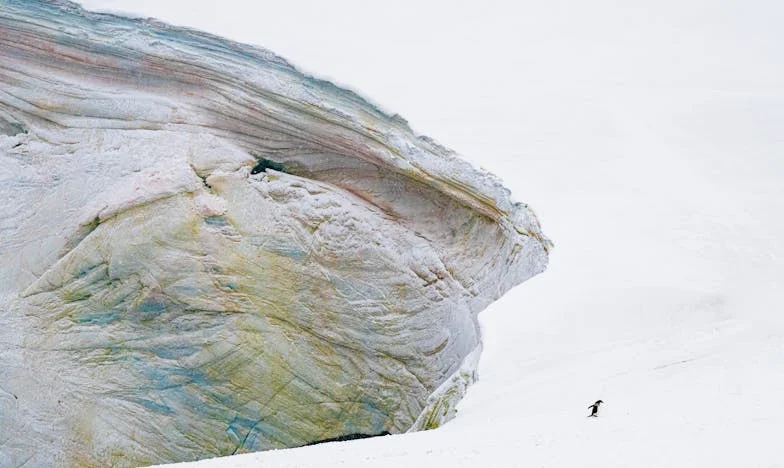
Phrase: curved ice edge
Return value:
(441, 405)
(460, 171)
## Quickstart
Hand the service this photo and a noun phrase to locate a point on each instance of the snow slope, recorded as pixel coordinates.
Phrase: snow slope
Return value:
(651, 134)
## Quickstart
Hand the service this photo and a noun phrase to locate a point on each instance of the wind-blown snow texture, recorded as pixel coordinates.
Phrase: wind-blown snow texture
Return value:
(206, 252)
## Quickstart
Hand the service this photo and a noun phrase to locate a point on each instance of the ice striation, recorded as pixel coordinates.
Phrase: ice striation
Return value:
(204, 251)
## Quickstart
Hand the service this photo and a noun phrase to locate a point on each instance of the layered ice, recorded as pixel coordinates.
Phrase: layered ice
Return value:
(204, 251)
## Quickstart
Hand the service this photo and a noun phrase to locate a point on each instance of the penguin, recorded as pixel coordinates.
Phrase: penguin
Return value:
(595, 409)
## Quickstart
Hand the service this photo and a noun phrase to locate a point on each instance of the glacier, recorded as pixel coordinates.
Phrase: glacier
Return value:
(204, 251)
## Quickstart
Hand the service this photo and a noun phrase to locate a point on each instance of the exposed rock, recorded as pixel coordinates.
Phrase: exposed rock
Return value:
(204, 251)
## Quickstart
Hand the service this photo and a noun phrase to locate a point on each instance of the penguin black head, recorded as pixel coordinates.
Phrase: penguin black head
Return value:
(598, 402)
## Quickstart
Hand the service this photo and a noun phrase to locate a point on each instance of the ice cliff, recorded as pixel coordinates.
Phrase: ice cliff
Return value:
(204, 251)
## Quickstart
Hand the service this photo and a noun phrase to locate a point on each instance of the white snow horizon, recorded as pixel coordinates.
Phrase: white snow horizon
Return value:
(649, 139)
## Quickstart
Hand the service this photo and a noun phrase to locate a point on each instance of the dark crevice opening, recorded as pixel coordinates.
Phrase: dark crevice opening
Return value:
(348, 437)
(264, 164)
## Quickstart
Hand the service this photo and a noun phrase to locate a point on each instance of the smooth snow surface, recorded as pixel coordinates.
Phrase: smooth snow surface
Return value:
(649, 136)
